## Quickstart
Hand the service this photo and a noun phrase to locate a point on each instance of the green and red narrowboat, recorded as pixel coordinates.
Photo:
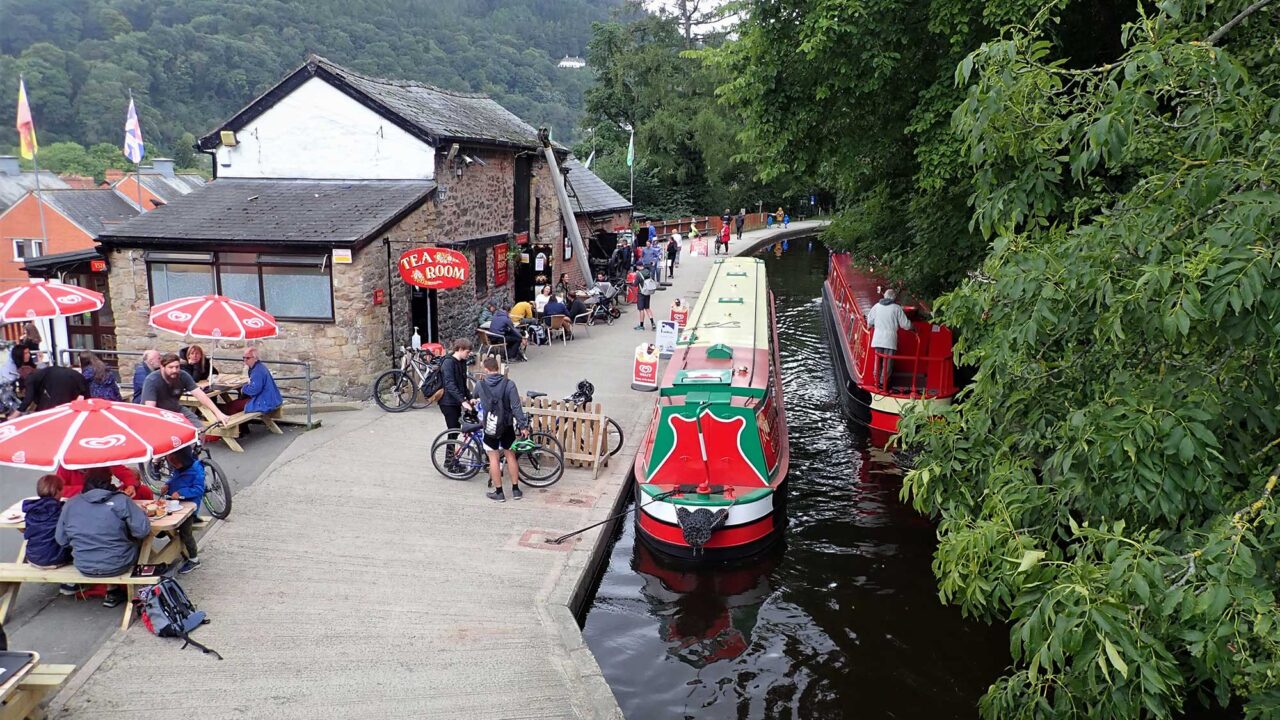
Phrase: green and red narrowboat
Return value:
(711, 470)
(923, 371)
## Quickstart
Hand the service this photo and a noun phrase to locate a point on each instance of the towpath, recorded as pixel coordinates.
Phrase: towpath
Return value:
(353, 581)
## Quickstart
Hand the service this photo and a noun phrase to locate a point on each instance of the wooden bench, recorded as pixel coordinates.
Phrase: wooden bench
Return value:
(24, 701)
(230, 430)
(12, 575)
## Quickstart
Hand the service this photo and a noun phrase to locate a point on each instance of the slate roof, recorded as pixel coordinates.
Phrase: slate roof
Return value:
(169, 189)
(588, 193)
(320, 213)
(94, 210)
(433, 115)
(13, 187)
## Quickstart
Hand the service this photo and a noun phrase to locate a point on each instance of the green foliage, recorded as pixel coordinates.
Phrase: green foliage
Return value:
(1106, 485)
(192, 63)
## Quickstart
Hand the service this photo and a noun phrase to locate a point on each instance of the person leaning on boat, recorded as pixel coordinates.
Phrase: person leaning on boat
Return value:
(885, 317)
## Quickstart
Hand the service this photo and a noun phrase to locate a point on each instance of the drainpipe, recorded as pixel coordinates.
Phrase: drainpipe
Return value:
(566, 210)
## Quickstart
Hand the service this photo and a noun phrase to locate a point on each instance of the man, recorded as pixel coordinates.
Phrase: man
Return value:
(603, 287)
(164, 389)
(740, 220)
(52, 386)
(555, 306)
(645, 298)
(453, 376)
(521, 311)
(515, 342)
(577, 310)
(885, 317)
(651, 259)
(260, 395)
(650, 232)
(186, 482)
(502, 415)
(103, 528)
(726, 217)
(150, 363)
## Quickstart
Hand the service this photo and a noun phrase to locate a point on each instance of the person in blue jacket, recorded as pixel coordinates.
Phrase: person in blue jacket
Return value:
(186, 482)
(42, 514)
(260, 395)
(150, 363)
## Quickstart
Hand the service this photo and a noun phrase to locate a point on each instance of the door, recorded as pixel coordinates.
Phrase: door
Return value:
(422, 308)
(520, 213)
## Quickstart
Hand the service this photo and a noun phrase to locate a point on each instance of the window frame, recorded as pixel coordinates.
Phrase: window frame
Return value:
(26, 244)
(214, 260)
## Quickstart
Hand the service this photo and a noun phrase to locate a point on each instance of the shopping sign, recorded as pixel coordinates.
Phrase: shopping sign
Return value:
(434, 268)
(679, 313)
(644, 372)
(500, 264)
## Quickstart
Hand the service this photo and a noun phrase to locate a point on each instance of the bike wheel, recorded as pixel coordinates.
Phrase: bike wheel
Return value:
(466, 457)
(217, 490)
(543, 465)
(155, 474)
(612, 437)
(394, 391)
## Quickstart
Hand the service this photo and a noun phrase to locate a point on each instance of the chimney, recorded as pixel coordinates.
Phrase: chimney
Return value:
(163, 166)
(9, 165)
(112, 175)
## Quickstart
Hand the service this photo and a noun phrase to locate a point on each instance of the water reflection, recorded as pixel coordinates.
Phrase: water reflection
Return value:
(842, 621)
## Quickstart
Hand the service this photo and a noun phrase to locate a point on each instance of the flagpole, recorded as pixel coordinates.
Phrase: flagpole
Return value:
(44, 242)
(632, 166)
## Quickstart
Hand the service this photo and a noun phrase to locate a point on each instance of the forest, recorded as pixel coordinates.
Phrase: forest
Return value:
(192, 63)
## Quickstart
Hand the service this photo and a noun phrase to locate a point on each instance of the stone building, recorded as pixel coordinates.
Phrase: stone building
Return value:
(321, 183)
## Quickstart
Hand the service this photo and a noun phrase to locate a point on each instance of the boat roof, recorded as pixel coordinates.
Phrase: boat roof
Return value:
(726, 344)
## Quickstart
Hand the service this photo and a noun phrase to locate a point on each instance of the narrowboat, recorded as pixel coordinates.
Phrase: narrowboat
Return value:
(711, 469)
(922, 370)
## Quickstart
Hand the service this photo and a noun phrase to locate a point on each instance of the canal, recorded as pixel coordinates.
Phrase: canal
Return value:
(841, 621)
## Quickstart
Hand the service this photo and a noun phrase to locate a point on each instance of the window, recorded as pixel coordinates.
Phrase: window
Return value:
(290, 287)
(27, 248)
(481, 269)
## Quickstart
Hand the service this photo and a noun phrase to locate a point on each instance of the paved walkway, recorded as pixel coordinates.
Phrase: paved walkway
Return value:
(353, 581)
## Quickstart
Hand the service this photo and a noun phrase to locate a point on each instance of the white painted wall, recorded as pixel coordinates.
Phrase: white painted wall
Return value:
(318, 132)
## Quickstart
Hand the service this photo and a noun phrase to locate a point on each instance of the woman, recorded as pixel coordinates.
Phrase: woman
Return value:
(562, 285)
(195, 363)
(540, 302)
(26, 351)
(103, 381)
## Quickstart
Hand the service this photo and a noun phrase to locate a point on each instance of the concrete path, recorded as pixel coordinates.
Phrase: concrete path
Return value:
(353, 581)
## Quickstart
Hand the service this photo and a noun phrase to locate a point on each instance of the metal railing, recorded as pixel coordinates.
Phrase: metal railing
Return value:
(70, 355)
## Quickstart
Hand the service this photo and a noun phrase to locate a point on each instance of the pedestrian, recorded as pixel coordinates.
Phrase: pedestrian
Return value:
(150, 363)
(786, 220)
(456, 398)
(165, 387)
(777, 217)
(186, 482)
(52, 386)
(503, 419)
(726, 217)
(885, 318)
(739, 220)
(723, 240)
(648, 286)
(41, 518)
(679, 248)
(651, 233)
(673, 252)
(103, 381)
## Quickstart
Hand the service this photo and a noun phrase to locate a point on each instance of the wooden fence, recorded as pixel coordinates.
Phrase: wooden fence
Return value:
(581, 432)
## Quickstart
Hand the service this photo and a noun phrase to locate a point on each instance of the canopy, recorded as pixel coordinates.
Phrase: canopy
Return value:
(43, 299)
(214, 317)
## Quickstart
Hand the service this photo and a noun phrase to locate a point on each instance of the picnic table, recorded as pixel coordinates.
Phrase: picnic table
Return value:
(13, 574)
(221, 391)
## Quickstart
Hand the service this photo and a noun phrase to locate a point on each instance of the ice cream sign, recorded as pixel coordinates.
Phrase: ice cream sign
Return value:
(434, 268)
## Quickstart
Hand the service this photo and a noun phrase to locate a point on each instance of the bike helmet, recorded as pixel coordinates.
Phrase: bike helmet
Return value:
(586, 389)
(523, 445)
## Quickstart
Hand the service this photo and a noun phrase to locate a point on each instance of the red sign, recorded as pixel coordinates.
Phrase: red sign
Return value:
(644, 371)
(679, 313)
(97, 266)
(434, 268)
(522, 238)
(500, 264)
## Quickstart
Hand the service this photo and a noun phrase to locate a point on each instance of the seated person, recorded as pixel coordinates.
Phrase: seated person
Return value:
(103, 528)
(578, 310)
(556, 306)
(195, 363)
(52, 386)
(486, 315)
(260, 395)
(186, 482)
(541, 300)
(122, 478)
(521, 311)
(603, 287)
(515, 342)
(149, 364)
(42, 513)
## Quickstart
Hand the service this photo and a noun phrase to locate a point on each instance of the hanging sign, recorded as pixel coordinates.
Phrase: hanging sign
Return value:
(500, 264)
(341, 257)
(434, 268)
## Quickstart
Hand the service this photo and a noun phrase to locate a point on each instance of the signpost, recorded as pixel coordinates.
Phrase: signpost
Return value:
(434, 268)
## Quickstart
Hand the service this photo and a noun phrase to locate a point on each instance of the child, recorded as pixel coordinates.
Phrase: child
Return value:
(186, 482)
(43, 551)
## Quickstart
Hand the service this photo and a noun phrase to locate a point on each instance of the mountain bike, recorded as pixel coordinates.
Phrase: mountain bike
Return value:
(461, 454)
(217, 486)
(400, 388)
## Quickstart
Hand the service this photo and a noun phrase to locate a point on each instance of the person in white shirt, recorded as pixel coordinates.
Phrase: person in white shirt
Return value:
(540, 302)
(885, 318)
(679, 246)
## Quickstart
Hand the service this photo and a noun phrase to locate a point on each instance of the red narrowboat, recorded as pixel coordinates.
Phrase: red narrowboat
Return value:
(922, 369)
(710, 471)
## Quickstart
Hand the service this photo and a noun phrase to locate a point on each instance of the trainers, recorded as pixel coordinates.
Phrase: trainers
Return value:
(640, 326)
(68, 589)
(113, 598)
(516, 493)
(496, 495)
(189, 565)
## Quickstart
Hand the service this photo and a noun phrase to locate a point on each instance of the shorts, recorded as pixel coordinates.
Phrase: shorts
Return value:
(642, 302)
(501, 442)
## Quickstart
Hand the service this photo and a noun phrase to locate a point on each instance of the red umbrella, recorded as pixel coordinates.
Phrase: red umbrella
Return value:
(92, 433)
(214, 317)
(43, 299)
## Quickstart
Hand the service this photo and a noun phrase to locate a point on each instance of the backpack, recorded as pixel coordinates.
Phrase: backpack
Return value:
(538, 335)
(167, 612)
(649, 286)
(434, 381)
(498, 419)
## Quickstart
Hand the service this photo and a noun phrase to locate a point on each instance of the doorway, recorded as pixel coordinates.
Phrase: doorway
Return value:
(422, 309)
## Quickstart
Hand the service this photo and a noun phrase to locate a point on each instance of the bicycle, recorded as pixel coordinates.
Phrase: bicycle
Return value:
(579, 401)
(399, 389)
(460, 454)
(217, 486)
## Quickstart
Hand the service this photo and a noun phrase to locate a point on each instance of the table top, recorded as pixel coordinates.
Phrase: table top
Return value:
(168, 522)
(22, 673)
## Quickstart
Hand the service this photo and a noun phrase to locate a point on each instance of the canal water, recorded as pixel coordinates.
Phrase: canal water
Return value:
(840, 621)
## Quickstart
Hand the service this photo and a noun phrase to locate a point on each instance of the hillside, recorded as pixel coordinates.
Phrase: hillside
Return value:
(191, 63)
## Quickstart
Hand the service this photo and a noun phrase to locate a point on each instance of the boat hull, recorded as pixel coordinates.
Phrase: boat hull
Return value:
(750, 529)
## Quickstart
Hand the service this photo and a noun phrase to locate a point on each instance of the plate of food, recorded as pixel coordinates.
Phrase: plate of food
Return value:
(155, 509)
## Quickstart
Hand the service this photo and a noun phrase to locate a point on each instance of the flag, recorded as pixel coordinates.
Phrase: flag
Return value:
(631, 150)
(26, 126)
(133, 147)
